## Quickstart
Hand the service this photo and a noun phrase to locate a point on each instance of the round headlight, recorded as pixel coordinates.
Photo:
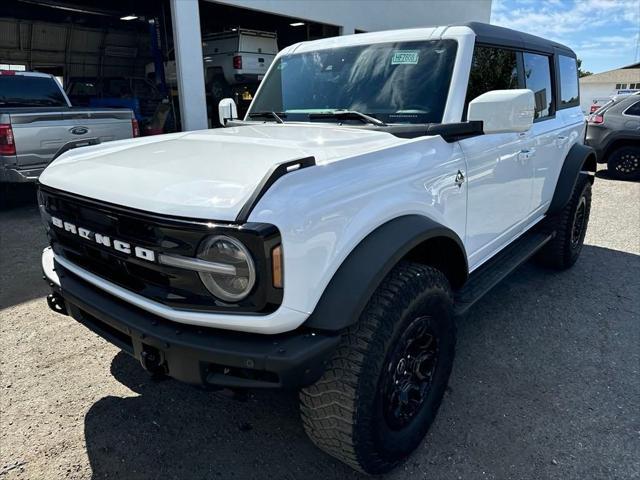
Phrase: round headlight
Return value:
(227, 251)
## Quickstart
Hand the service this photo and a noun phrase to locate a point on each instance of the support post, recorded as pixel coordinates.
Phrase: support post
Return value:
(187, 39)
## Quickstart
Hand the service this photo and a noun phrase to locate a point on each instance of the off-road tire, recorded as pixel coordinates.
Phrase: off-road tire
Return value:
(563, 250)
(343, 412)
(624, 163)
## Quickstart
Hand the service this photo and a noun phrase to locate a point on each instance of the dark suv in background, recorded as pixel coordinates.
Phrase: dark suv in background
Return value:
(614, 132)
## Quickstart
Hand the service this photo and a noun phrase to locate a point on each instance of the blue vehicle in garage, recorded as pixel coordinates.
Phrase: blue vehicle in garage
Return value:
(135, 93)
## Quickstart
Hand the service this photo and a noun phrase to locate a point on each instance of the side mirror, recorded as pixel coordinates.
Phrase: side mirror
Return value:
(227, 110)
(503, 111)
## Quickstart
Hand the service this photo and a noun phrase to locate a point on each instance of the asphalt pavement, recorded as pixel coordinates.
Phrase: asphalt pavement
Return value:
(546, 382)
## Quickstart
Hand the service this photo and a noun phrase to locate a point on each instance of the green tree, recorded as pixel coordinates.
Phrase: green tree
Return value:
(582, 73)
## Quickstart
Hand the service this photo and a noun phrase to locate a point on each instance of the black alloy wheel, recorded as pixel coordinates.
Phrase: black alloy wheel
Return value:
(409, 374)
(624, 163)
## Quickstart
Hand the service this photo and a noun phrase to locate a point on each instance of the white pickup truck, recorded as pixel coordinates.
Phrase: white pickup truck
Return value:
(378, 187)
(38, 124)
(235, 62)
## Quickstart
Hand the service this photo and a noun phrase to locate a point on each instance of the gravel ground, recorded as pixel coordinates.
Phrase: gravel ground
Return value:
(546, 383)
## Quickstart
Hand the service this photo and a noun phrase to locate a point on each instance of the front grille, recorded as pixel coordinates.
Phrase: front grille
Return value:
(175, 287)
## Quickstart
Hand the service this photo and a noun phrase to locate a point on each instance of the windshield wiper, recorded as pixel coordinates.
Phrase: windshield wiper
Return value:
(348, 115)
(267, 114)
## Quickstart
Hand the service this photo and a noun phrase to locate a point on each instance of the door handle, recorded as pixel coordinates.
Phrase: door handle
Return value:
(526, 154)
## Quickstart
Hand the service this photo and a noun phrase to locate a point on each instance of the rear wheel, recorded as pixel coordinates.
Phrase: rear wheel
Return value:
(570, 226)
(382, 389)
(624, 163)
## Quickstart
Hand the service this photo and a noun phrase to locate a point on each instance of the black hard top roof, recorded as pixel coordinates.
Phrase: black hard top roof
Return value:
(494, 35)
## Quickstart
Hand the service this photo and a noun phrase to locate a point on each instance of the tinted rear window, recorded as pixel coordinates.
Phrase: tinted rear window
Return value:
(25, 91)
(568, 81)
(633, 109)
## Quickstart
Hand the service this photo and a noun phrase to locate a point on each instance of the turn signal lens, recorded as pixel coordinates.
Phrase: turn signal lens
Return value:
(276, 266)
(7, 144)
(596, 119)
(135, 128)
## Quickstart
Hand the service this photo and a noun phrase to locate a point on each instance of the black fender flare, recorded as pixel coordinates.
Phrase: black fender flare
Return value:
(579, 160)
(360, 274)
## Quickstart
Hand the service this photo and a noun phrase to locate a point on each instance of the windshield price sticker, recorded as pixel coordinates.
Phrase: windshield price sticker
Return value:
(405, 57)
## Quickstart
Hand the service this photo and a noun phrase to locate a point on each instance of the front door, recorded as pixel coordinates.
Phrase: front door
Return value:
(499, 189)
(499, 166)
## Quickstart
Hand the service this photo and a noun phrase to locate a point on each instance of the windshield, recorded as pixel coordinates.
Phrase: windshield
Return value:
(28, 91)
(403, 82)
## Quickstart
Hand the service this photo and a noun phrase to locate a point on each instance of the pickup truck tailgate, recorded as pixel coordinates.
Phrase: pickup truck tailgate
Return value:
(41, 136)
(255, 63)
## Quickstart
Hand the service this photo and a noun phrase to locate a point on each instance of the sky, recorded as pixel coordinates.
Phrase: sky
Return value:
(605, 34)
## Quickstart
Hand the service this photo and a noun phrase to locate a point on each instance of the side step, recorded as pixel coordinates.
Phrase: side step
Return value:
(495, 270)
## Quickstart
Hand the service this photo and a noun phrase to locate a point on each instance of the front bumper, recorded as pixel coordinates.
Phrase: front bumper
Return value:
(196, 355)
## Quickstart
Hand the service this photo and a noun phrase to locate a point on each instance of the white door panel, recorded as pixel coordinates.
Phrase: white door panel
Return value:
(549, 138)
(499, 174)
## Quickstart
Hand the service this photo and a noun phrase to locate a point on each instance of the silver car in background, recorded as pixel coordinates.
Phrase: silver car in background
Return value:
(614, 133)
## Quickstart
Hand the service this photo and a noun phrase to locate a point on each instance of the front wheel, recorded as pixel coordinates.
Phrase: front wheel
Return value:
(382, 389)
(624, 163)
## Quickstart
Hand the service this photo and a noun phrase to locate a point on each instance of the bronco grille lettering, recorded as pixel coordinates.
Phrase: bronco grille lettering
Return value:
(104, 240)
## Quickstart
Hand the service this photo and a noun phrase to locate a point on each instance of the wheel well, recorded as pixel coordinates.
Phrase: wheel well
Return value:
(444, 254)
(623, 142)
(591, 163)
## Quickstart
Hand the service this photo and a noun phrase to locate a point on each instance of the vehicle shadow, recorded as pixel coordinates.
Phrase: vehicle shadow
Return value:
(171, 430)
(605, 175)
(17, 195)
(20, 226)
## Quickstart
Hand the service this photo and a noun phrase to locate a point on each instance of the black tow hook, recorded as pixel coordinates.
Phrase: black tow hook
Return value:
(152, 362)
(56, 303)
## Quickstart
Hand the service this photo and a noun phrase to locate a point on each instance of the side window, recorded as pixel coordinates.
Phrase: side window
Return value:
(537, 77)
(492, 69)
(83, 88)
(633, 110)
(568, 81)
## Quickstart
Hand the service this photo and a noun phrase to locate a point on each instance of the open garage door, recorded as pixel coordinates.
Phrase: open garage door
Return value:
(97, 50)
(121, 53)
(239, 45)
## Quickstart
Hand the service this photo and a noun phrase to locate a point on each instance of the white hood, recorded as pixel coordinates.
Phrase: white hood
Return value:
(207, 174)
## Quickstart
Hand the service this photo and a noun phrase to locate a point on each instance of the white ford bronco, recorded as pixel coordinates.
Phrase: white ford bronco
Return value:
(379, 185)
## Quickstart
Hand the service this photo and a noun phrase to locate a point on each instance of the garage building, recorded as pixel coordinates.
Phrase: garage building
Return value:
(148, 54)
(599, 87)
